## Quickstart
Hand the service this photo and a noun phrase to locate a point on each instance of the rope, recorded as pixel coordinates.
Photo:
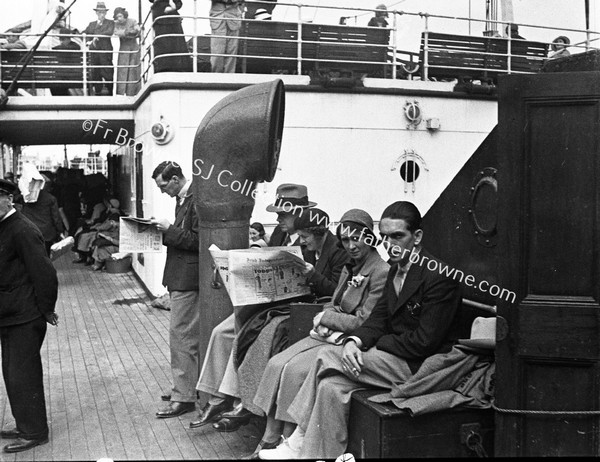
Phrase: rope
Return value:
(530, 412)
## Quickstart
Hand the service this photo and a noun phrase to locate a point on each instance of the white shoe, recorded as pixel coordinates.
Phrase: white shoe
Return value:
(281, 452)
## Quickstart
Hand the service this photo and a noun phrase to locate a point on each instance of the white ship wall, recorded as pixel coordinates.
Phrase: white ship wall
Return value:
(345, 147)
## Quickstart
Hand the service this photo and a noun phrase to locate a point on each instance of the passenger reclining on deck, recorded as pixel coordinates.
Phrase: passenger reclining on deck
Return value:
(85, 241)
(218, 376)
(415, 318)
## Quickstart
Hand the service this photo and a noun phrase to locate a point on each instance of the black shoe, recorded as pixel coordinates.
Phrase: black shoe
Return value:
(229, 424)
(210, 413)
(21, 444)
(11, 433)
(175, 409)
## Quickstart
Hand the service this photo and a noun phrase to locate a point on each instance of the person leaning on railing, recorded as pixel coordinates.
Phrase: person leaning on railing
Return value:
(14, 42)
(128, 64)
(101, 50)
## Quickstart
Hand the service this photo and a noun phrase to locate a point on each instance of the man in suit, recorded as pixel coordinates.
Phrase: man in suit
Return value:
(225, 23)
(101, 49)
(416, 317)
(218, 377)
(181, 279)
(28, 292)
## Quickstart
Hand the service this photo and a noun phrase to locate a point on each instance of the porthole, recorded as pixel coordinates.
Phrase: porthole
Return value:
(409, 171)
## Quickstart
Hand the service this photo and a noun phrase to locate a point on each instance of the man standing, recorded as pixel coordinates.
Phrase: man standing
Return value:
(101, 49)
(181, 279)
(225, 23)
(416, 317)
(28, 292)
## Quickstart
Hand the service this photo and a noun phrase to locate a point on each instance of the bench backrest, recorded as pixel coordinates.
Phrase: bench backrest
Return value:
(453, 56)
(46, 69)
(278, 49)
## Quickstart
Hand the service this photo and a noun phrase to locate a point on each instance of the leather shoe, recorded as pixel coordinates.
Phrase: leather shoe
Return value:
(210, 413)
(231, 424)
(21, 444)
(239, 412)
(11, 433)
(175, 409)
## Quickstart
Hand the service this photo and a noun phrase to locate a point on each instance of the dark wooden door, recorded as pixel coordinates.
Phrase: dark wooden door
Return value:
(549, 221)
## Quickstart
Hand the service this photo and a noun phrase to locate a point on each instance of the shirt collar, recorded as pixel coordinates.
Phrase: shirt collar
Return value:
(184, 189)
(10, 212)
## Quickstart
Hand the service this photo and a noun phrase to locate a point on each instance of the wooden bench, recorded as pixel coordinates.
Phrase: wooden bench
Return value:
(382, 431)
(467, 57)
(54, 69)
(270, 47)
(352, 51)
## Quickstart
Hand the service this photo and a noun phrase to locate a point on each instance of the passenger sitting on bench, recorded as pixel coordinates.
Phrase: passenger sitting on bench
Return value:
(416, 317)
(360, 286)
(13, 42)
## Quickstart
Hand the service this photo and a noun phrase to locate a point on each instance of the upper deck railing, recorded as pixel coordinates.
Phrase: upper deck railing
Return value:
(431, 43)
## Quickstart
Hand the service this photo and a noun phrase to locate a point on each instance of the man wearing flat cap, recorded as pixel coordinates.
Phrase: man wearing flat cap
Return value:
(28, 293)
(101, 49)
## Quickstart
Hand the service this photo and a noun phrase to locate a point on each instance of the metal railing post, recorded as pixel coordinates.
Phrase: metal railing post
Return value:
(395, 44)
(426, 49)
(299, 39)
(509, 53)
(195, 39)
(85, 66)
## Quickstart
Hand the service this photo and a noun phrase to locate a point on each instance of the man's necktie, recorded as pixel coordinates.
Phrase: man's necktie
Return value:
(287, 239)
(178, 205)
(399, 279)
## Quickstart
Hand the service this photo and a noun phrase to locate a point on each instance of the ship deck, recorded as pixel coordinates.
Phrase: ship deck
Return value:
(105, 367)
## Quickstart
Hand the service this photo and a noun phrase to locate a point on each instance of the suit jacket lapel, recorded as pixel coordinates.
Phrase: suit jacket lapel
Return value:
(183, 208)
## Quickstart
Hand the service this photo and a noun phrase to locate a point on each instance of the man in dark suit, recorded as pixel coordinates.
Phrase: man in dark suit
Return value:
(416, 317)
(217, 370)
(101, 49)
(181, 279)
(28, 292)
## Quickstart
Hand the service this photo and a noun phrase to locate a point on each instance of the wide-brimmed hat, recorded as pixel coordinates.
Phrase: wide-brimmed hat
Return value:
(290, 197)
(356, 219)
(564, 38)
(483, 333)
(262, 14)
(7, 187)
(311, 218)
(100, 6)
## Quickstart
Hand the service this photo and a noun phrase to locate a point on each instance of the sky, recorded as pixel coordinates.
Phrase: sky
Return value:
(567, 14)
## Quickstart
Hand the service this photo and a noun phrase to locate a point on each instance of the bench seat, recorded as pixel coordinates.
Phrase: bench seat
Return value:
(482, 58)
(52, 69)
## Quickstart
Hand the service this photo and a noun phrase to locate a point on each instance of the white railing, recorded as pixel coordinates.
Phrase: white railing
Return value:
(306, 47)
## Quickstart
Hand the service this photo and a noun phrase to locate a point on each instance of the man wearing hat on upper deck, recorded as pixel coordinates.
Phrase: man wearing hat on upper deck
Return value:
(28, 293)
(379, 19)
(291, 200)
(101, 49)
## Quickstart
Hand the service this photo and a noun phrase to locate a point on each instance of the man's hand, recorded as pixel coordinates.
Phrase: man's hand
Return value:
(162, 224)
(352, 361)
(51, 318)
(305, 268)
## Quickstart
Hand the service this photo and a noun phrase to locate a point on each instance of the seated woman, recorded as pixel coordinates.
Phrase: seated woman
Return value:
(84, 241)
(258, 237)
(264, 333)
(107, 240)
(360, 286)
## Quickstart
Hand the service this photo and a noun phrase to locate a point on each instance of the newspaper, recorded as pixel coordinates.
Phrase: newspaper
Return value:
(261, 275)
(138, 235)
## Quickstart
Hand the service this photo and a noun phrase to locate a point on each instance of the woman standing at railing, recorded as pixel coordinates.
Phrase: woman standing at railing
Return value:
(169, 38)
(128, 64)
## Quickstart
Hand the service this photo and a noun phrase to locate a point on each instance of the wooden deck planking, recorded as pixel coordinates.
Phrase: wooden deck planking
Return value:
(105, 367)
